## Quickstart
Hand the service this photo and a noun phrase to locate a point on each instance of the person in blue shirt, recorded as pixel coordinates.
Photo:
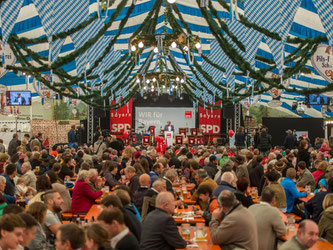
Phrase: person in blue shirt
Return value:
(289, 186)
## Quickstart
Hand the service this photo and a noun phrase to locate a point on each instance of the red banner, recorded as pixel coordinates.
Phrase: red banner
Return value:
(121, 119)
(210, 120)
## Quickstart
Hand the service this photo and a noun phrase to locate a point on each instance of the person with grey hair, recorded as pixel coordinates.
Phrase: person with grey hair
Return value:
(149, 199)
(160, 230)
(233, 231)
(29, 175)
(203, 179)
(228, 181)
(83, 196)
(95, 182)
(169, 177)
(9, 199)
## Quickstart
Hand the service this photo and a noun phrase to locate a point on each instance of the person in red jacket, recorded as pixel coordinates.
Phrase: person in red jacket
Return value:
(83, 196)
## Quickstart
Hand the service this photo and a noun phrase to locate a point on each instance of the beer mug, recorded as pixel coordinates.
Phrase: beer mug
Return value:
(186, 231)
(200, 232)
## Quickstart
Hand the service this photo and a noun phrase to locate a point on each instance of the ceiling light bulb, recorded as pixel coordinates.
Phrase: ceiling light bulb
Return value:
(155, 50)
(154, 79)
(198, 45)
(133, 48)
(153, 87)
(171, 1)
(145, 87)
(137, 80)
(182, 81)
(177, 79)
(147, 81)
(164, 86)
(186, 48)
(173, 45)
(141, 45)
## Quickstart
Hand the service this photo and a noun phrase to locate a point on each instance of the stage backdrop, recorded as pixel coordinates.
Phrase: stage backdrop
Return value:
(121, 119)
(158, 116)
(277, 127)
(210, 120)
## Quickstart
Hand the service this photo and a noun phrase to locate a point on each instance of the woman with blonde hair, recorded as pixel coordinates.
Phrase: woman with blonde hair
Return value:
(326, 219)
(97, 237)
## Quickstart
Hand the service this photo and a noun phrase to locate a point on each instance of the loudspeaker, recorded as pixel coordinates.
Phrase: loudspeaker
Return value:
(228, 112)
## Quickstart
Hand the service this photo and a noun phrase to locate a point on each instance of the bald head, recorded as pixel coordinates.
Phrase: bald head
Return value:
(144, 180)
(228, 177)
(165, 201)
(307, 233)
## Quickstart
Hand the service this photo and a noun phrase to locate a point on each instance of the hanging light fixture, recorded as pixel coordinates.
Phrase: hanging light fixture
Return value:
(141, 45)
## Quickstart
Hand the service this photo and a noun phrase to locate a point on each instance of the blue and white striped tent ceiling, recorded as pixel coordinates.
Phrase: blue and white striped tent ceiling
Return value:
(294, 18)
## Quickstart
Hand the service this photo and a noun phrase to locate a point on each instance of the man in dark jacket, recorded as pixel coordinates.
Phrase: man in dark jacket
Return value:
(13, 144)
(264, 141)
(314, 206)
(121, 238)
(227, 182)
(160, 230)
(138, 196)
(290, 141)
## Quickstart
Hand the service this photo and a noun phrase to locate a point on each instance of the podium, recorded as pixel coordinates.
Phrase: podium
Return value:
(168, 135)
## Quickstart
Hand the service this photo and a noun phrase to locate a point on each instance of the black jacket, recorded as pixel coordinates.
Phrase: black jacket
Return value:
(129, 242)
(211, 170)
(129, 210)
(256, 171)
(12, 147)
(138, 197)
(304, 155)
(245, 200)
(65, 170)
(290, 141)
(315, 205)
(160, 232)
(264, 141)
(240, 139)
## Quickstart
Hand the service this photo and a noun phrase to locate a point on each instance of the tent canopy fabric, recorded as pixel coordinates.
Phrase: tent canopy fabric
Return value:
(46, 18)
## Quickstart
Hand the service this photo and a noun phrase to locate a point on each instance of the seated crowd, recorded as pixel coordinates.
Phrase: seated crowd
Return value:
(242, 194)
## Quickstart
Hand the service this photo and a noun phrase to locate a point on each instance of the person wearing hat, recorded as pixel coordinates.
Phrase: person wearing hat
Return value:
(272, 178)
(211, 168)
(240, 167)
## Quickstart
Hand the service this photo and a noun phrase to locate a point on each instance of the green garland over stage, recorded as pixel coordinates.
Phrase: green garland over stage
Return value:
(125, 70)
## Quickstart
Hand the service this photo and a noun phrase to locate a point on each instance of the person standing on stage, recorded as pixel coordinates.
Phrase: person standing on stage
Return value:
(169, 127)
(72, 138)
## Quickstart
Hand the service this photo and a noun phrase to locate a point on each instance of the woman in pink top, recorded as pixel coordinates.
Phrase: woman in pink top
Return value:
(321, 169)
(83, 196)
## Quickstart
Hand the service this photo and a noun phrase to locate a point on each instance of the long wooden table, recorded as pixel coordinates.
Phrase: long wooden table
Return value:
(93, 212)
